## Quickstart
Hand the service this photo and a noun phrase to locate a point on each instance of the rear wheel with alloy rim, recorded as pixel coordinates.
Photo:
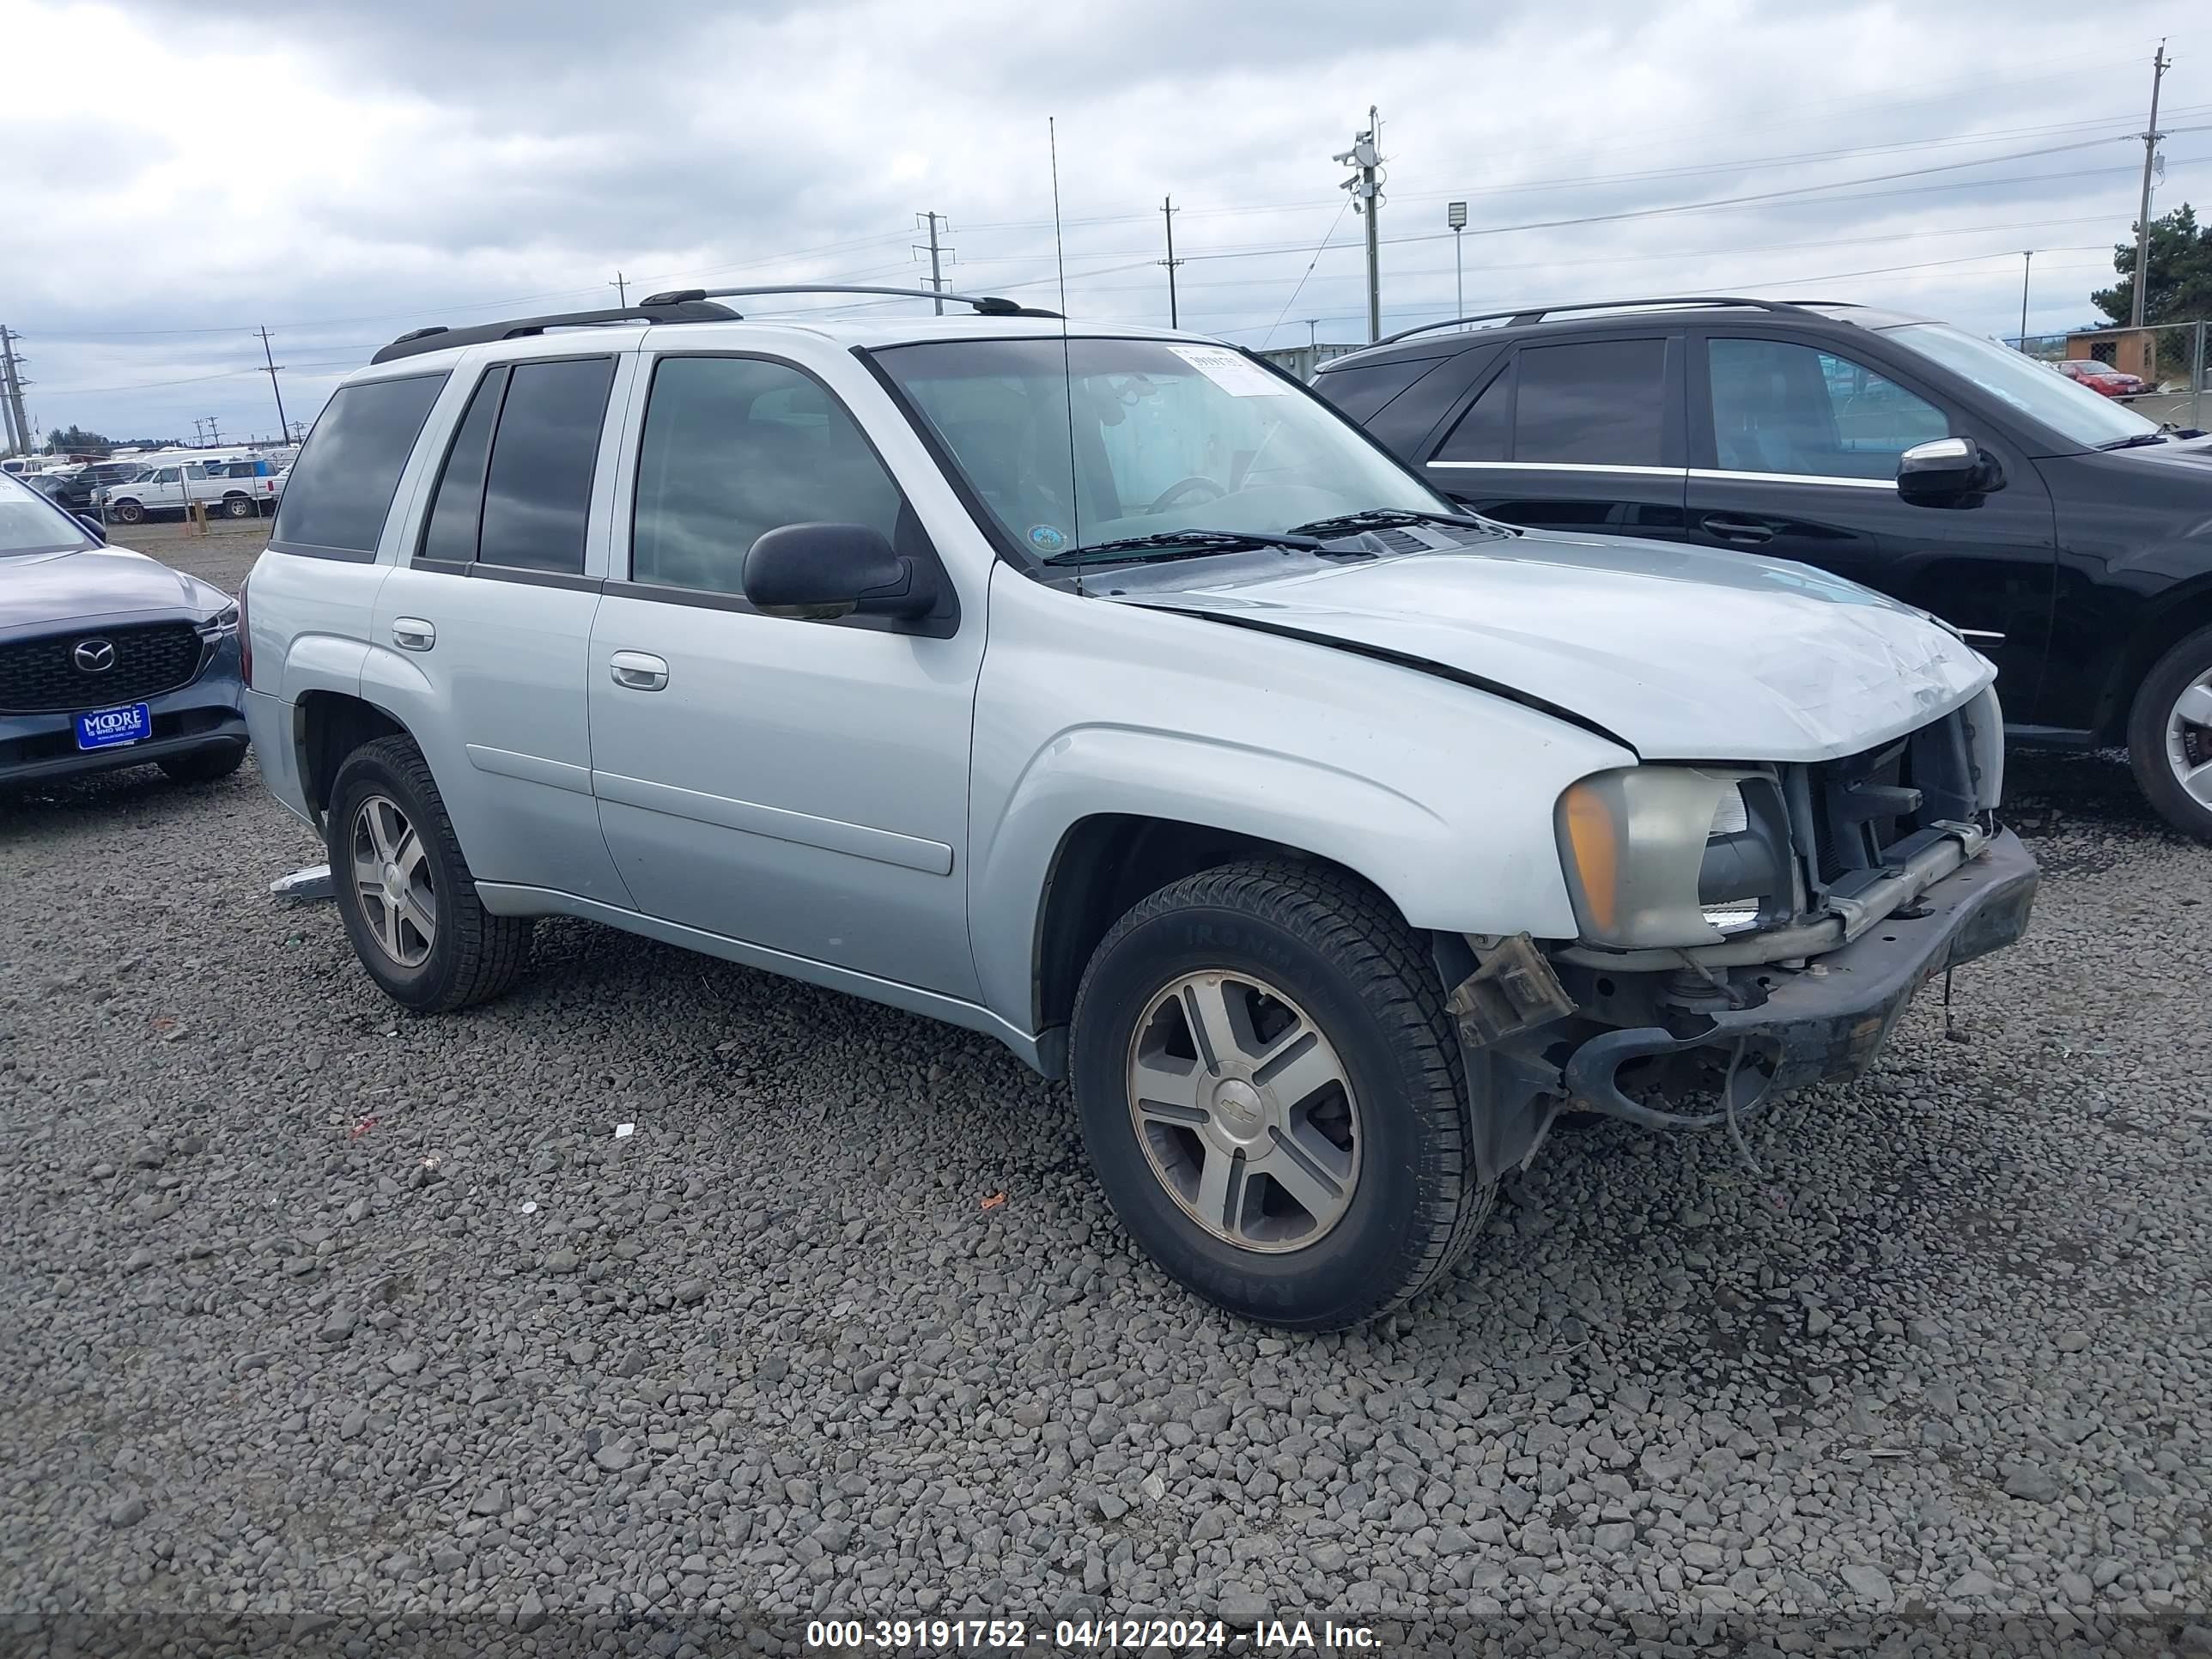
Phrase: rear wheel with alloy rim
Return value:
(2169, 735)
(238, 507)
(1272, 1096)
(404, 891)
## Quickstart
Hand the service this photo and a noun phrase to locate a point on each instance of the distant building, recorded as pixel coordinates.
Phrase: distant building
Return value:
(1303, 361)
(2130, 350)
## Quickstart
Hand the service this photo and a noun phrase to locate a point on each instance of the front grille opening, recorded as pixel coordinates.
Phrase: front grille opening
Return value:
(1872, 811)
(45, 676)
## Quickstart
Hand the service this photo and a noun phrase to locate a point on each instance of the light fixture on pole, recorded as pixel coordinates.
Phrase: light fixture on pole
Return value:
(1455, 216)
(1365, 158)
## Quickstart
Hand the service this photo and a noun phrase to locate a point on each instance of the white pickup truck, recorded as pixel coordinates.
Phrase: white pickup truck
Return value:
(237, 488)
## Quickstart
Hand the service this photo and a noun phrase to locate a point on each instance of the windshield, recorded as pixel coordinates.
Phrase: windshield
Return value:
(2086, 418)
(29, 523)
(1169, 436)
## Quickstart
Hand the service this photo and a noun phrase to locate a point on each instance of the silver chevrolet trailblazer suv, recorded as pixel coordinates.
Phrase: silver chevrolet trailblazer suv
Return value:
(1100, 689)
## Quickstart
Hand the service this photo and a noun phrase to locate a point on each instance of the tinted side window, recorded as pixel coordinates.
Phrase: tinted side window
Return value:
(1361, 392)
(1483, 432)
(1779, 407)
(1602, 402)
(734, 447)
(338, 494)
(457, 509)
(538, 490)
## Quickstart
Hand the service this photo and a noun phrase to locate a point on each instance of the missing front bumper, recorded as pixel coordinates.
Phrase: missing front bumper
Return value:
(1831, 1017)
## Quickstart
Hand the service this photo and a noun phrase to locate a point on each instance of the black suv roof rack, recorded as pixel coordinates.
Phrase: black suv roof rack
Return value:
(439, 337)
(683, 304)
(989, 305)
(1537, 313)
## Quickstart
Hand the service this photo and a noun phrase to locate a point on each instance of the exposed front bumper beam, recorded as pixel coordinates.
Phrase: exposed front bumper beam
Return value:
(1831, 1017)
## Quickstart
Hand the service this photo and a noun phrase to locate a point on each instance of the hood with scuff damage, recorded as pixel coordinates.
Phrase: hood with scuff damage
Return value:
(1687, 654)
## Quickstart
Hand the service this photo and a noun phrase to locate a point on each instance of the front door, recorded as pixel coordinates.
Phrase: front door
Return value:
(1586, 435)
(1793, 453)
(796, 784)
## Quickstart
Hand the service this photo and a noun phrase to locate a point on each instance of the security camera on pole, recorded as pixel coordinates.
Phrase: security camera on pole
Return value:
(1366, 188)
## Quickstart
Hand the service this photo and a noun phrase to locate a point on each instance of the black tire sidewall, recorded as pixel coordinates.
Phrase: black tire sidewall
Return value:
(1346, 1274)
(206, 765)
(365, 773)
(2187, 660)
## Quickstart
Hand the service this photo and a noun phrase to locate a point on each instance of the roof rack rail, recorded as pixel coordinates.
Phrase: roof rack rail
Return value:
(438, 337)
(1537, 313)
(990, 304)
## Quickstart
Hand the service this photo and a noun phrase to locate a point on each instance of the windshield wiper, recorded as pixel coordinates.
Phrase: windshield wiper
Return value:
(2135, 442)
(1180, 544)
(1384, 517)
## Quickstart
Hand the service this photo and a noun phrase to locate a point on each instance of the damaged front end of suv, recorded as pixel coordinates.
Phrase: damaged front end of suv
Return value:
(1745, 931)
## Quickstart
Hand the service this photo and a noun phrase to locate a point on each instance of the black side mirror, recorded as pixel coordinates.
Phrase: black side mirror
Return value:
(92, 527)
(1947, 473)
(819, 572)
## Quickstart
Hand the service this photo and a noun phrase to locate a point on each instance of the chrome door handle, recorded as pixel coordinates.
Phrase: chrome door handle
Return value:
(636, 671)
(413, 633)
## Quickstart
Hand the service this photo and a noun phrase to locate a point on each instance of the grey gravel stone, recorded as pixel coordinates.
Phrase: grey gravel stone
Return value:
(127, 1510)
(892, 1393)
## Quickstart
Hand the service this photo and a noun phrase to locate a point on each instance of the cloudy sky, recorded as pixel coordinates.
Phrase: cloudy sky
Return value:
(176, 176)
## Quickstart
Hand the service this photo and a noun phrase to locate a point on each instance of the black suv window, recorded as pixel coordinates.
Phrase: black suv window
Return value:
(1484, 433)
(538, 489)
(457, 509)
(1781, 407)
(1360, 394)
(338, 494)
(734, 447)
(1599, 402)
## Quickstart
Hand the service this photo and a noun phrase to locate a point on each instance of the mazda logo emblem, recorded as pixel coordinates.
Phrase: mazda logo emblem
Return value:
(95, 656)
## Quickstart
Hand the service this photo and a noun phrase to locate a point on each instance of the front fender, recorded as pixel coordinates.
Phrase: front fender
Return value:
(1440, 871)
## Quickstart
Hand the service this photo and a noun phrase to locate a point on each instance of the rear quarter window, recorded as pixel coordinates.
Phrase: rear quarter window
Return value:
(337, 498)
(1358, 393)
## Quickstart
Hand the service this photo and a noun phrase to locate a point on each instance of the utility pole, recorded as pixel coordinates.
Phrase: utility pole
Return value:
(1455, 216)
(621, 291)
(1365, 158)
(215, 433)
(2026, 260)
(1168, 213)
(1313, 331)
(936, 253)
(2151, 135)
(271, 372)
(11, 383)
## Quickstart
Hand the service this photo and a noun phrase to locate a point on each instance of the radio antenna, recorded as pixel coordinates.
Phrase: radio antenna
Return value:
(1067, 370)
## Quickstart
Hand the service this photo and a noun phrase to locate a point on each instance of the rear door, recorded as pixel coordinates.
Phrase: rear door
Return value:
(1581, 434)
(492, 606)
(1793, 447)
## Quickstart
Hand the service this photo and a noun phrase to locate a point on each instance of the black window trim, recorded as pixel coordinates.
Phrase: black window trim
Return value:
(438, 476)
(624, 586)
(354, 555)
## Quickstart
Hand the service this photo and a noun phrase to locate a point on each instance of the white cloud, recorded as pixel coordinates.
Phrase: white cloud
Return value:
(342, 171)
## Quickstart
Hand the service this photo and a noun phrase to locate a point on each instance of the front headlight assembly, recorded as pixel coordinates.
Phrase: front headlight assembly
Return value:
(1660, 856)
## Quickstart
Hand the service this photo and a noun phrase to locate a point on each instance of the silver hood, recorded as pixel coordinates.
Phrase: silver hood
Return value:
(1687, 654)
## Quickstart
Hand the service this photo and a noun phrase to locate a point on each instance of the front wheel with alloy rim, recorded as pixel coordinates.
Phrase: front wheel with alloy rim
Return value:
(127, 512)
(2169, 735)
(404, 891)
(1273, 1095)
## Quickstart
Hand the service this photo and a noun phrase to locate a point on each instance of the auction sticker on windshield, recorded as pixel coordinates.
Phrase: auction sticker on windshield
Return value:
(1237, 375)
(106, 728)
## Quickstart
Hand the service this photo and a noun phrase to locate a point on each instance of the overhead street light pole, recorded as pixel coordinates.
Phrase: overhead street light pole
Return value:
(1455, 216)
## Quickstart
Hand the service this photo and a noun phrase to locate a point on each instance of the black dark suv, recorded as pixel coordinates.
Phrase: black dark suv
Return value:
(2067, 536)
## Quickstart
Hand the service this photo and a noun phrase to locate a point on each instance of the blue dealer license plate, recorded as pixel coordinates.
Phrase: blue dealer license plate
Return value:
(109, 728)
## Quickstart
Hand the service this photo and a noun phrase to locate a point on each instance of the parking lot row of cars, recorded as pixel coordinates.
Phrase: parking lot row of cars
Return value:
(1332, 809)
(236, 486)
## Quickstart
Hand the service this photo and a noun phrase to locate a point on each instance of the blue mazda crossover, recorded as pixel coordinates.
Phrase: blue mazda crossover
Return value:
(108, 658)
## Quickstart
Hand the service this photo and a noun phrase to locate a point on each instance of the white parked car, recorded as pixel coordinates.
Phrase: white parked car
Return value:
(1103, 689)
(236, 489)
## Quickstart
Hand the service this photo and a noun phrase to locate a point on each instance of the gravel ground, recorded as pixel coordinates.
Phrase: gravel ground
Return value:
(315, 1309)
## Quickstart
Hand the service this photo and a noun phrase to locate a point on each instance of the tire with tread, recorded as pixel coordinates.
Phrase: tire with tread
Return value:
(476, 956)
(1340, 948)
(217, 760)
(2185, 662)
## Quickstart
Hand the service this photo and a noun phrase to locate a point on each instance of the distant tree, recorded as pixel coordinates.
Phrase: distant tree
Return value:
(2179, 285)
(76, 438)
